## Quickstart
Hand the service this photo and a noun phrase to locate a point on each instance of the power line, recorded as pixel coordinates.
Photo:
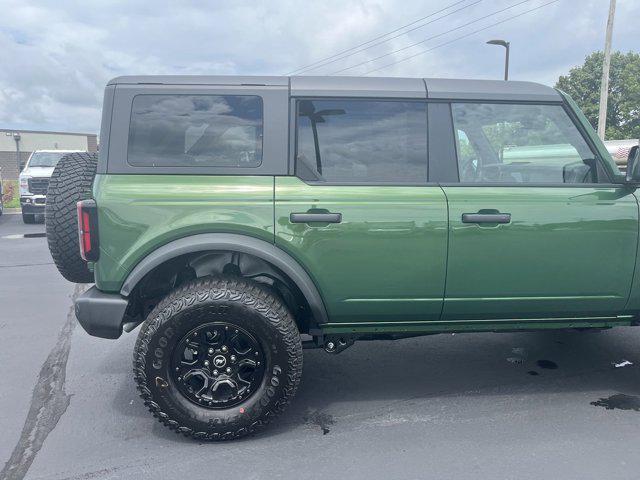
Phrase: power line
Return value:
(305, 67)
(392, 38)
(430, 38)
(460, 37)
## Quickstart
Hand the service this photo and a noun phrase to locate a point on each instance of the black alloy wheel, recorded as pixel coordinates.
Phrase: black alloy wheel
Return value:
(218, 365)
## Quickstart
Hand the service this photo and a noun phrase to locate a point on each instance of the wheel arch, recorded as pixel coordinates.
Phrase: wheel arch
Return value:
(227, 242)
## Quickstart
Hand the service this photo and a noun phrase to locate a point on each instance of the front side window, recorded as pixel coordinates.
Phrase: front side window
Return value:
(362, 141)
(196, 131)
(526, 143)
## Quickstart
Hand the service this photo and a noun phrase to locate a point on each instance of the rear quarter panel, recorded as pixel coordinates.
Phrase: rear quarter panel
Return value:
(139, 213)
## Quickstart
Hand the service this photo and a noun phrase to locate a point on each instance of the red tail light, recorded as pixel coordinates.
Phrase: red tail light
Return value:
(88, 230)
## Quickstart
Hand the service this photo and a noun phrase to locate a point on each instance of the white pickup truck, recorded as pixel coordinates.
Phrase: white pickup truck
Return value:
(619, 150)
(34, 181)
(1, 194)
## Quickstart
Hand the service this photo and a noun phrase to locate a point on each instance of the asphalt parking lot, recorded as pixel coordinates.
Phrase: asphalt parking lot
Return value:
(499, 406)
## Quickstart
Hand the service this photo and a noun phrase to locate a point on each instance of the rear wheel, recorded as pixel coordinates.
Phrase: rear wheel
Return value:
(218, 358)
(70, 182)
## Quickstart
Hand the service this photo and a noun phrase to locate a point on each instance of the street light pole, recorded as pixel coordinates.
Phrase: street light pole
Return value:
(17, 138)
(506, 46)
(606, 63)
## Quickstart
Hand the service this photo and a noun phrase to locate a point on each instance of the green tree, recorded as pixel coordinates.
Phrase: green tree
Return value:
(623, 111)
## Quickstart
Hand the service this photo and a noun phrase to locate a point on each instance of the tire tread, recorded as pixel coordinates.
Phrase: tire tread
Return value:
(237, 289)
(71, 181)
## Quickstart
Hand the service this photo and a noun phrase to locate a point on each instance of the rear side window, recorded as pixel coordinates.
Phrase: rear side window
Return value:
(520, 143)
(362, 141)
(196, 131)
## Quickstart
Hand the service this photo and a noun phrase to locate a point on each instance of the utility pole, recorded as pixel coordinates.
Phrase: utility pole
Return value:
(604, 85)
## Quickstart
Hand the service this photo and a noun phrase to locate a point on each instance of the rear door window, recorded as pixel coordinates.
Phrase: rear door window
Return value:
(196, 131)
(362, 141)
(520, 143)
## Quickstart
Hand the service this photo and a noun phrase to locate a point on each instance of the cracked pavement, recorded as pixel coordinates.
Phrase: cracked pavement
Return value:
(463, 406)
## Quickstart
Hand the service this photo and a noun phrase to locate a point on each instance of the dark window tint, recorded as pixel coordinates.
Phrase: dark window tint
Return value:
(196, 131)
(362, 141)
(509, 143)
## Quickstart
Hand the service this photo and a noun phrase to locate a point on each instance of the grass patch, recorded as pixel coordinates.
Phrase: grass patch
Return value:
(10, 194)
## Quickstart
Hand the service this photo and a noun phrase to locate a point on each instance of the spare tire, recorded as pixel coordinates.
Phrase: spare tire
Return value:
(71, 181)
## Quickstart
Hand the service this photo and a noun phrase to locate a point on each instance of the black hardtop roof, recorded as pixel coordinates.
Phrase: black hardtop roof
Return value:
(391, 87)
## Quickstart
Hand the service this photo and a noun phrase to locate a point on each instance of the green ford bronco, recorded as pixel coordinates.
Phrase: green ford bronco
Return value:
(234, 217)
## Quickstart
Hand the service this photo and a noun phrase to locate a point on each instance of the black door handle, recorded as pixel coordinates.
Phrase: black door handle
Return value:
(486, 218)
(315, 217)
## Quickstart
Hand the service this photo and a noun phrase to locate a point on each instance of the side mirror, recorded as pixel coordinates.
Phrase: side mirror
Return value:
(633, 165)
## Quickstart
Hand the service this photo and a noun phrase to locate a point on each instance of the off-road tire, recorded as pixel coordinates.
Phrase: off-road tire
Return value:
(28, 218)
(247, 305)
(70, 182)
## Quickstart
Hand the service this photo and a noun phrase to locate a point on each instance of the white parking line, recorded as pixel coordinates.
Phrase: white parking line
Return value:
(17, 236)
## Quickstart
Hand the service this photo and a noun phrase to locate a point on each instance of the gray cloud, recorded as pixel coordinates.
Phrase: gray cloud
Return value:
(56, 56)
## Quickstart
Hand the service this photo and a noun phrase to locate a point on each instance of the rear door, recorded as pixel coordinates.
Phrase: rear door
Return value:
(536, 227)
(186, 158)
(359, 214)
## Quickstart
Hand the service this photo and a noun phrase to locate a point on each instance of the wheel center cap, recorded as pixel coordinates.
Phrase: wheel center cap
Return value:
(219, 361)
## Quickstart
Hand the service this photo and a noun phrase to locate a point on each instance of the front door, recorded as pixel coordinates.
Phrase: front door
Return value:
(359, 214)
(536, 228)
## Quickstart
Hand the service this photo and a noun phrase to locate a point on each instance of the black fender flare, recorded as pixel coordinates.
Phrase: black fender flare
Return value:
(238, 243)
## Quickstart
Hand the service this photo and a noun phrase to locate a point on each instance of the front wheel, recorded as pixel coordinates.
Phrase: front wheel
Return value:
(28, 218)
(218, 358)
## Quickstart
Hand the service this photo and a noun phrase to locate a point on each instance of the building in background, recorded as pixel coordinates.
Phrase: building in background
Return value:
(26, 141)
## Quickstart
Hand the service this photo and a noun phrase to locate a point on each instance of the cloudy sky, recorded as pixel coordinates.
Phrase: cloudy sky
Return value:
(57, 55)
